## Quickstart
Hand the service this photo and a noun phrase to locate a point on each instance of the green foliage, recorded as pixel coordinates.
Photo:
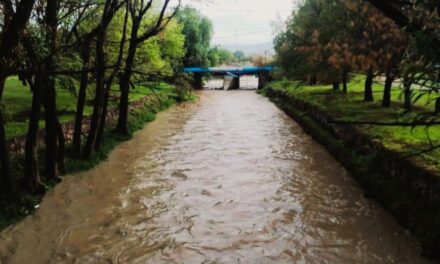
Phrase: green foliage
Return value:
(137, 120)
(198, 32)
(350, 107)
(19, 99)
(396, 193)
(219, 56)
(161, 55)
(323, 39)
(14, 208)
(239, 55)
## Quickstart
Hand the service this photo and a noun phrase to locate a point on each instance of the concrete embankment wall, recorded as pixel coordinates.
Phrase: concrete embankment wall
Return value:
(408, 190)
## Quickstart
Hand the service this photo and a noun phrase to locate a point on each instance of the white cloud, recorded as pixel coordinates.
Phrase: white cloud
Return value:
(242, 22)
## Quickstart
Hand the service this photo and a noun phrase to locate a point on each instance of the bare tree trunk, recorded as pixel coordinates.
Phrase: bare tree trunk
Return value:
(81, 99)
(32, 174)
(109, 82)
(137, 15)
(407, 94)
(97, 104)
(386, 101)
(101, 127)
(314, 79)
(10, 33)
(2, 85)
(6, 181)
(8, 41)
(368, 92)
(437, 106)
(49, 99)
(110, 9)
(51, 168)
(122, 126)
(344, 80)
(61, 148)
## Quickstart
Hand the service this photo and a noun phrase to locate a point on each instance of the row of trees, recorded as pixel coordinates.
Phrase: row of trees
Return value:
(199, 30)
(89, 47)
(326, 40)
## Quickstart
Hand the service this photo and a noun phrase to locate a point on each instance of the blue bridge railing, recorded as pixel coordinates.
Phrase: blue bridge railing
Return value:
(229, 70)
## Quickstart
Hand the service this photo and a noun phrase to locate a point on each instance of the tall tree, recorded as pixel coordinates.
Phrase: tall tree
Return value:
(139, 34)
(110, 9)
(420, 19)
(14, 21)
(84, 40)
(49, 99)
(110, 79)
(33, 181)
(330, 38)
(198, 31)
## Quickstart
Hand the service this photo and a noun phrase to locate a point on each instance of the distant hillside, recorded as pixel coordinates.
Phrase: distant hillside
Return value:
(252, 49)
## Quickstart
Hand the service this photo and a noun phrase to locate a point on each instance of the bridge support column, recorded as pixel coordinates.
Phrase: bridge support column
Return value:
(235, 83)
(231, 83)
(198, 81)
(263, 79)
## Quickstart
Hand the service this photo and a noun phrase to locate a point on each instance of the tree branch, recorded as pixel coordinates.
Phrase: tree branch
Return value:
(160, 24)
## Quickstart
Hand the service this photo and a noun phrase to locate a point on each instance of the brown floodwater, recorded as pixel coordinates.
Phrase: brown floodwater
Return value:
(227, 179)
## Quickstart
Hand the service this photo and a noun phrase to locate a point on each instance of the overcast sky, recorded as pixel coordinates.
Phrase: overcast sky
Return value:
(243, 22)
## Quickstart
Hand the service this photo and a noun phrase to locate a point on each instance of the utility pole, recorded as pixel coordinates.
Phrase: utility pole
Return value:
(236, 46)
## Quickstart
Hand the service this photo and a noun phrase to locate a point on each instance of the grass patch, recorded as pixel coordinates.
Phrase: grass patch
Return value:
(17, 101)
(351, 107)
(408, 192)
(15, 207)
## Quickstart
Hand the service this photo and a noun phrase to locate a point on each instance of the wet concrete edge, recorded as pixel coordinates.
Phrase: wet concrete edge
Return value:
(408, 191)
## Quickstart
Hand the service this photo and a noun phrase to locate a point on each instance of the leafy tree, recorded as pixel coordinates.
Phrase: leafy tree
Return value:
(111, 7)
(13, 23)
(68, 43)
(239, 55)
(84, 32)
(139, 34)
(328, 39)
(225, 56)
(198, 32)
(219, 56)
(420, 19)
(161, 55)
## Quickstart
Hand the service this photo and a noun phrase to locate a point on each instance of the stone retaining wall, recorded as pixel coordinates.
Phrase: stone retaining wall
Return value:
(407, 189)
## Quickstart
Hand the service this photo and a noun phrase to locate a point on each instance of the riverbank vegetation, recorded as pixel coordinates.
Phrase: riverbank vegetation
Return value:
(372, 66)
(199, 31)
(325, 41)
(391, 127)
(15, 207)
(77, 78)
(362, 65)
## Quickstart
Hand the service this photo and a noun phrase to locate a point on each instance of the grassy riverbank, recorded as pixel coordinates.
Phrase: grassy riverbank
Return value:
(14, 208)
(416, 143)
(391, 163)
(19, 98)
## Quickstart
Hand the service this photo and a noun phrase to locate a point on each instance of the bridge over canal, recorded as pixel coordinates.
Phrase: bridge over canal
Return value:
(231, 75)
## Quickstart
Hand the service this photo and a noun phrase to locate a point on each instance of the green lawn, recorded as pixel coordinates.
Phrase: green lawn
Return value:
(350, 107)
(17, 102)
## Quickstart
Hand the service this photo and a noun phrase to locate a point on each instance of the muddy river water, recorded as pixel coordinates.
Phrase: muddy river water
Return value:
(226, 179)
